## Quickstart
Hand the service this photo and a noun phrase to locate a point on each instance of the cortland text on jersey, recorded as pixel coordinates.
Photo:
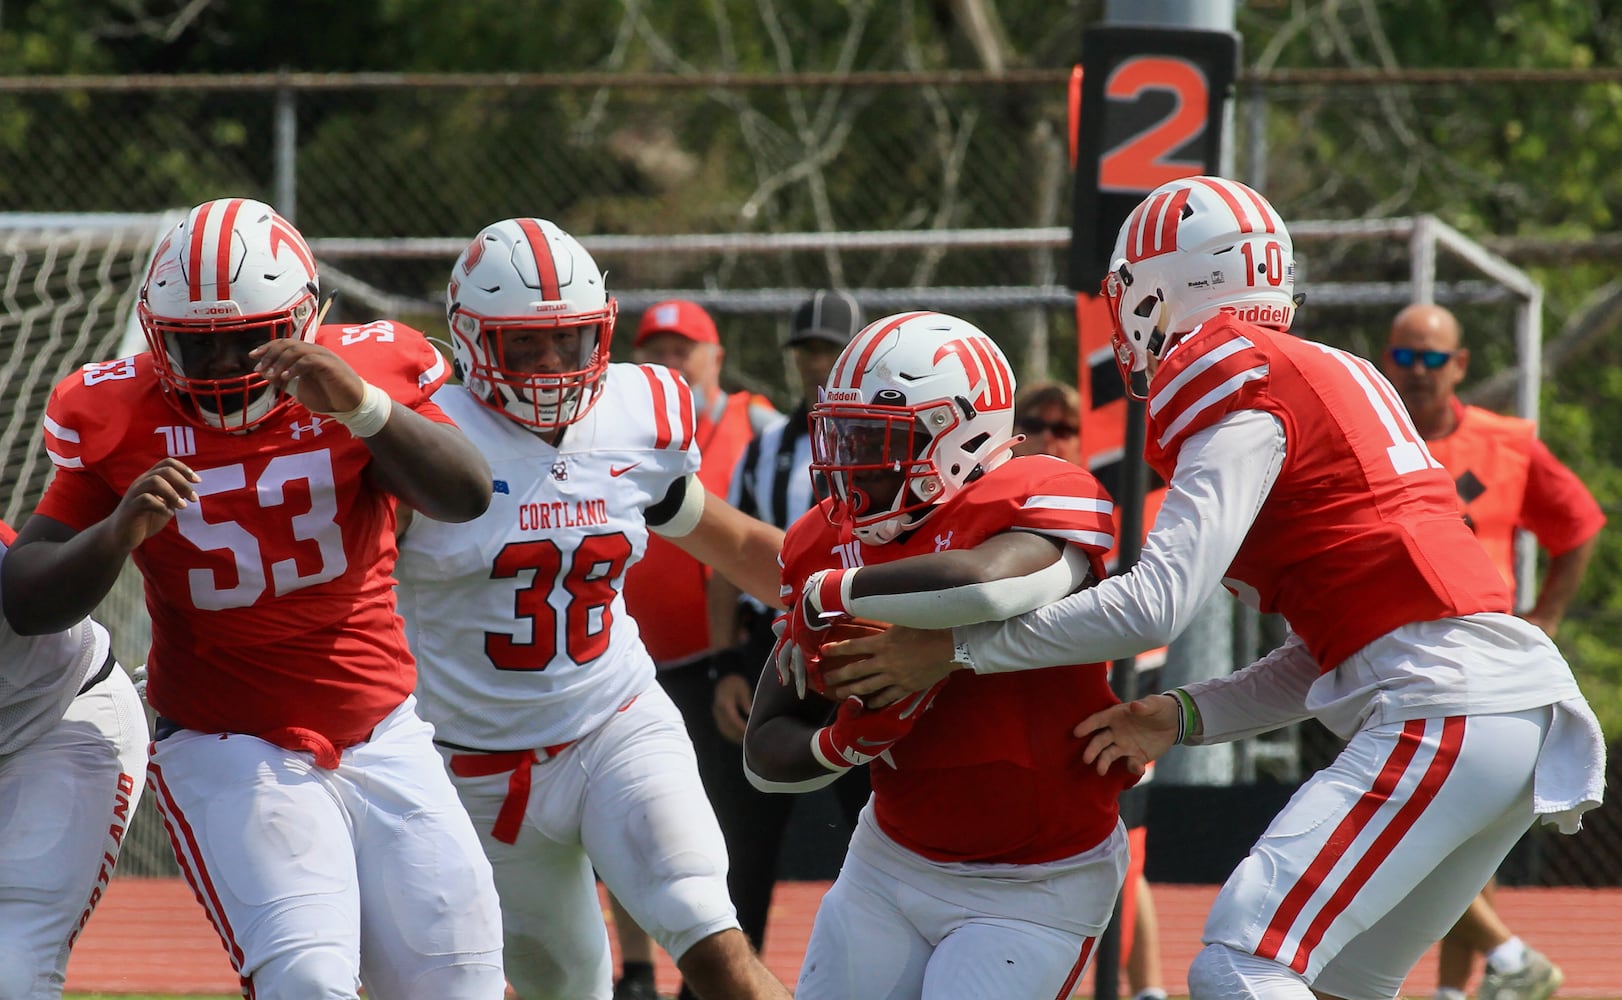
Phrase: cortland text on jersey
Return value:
(562, 514)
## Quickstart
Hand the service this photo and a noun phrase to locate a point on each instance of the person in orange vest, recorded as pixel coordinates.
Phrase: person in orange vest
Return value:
(1507, 481)
(1047, 415)
(665, 592)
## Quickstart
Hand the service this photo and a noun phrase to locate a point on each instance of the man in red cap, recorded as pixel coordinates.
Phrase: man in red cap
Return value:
(665, 592)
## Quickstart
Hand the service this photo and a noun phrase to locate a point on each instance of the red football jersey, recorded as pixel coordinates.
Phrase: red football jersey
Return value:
(991, 772)
(1361, 533)
(272, 596)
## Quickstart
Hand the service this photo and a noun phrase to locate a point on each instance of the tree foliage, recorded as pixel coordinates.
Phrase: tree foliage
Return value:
(1530, 160)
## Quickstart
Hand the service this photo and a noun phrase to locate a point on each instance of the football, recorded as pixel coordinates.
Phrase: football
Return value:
(839, 631)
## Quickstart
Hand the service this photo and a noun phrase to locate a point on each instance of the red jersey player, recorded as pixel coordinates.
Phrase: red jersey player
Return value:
(1297, 481)
(250, 465)
(988, 859)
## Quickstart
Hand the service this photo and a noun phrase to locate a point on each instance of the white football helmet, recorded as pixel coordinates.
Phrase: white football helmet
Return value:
(526, 278)
(1195, 247)
(231, 276)
(917, 405)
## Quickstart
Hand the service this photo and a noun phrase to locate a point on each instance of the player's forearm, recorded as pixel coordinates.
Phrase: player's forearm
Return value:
(932, 591)
(1223, 476)
(1560, 583)
(50, 585)
(737, 546)
(777, 753)
(431, 466)
(1267, 695)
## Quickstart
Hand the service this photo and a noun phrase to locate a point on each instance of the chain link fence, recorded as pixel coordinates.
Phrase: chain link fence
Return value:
(388, 174)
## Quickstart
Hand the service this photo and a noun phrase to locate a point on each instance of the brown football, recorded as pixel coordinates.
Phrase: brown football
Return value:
(839, 631)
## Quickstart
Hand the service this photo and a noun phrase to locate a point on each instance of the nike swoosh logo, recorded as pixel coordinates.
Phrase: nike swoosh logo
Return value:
(616, 473)
(863, 741)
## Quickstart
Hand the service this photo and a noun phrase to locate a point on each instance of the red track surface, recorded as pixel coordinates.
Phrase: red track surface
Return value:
(150, 936)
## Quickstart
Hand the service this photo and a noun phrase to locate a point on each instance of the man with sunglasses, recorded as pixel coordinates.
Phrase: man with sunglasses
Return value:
(1506, 480)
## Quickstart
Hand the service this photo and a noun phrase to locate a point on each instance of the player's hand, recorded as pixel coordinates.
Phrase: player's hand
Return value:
(1134, 733)
(788, 658)
(897, 662)
(858, 735)
(733, 699)
(152, 500)
(811, 615)
(315, 375)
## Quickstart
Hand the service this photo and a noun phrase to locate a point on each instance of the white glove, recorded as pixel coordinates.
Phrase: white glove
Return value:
(787, 657)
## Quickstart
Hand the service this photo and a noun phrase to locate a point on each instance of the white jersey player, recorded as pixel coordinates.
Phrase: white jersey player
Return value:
(565, 751)
(72, 763)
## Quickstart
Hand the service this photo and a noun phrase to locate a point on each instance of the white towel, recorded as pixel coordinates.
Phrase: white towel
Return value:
(1570, 775)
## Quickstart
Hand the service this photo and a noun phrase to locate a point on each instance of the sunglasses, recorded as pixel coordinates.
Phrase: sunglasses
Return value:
(1036, 425)
(1406, 356)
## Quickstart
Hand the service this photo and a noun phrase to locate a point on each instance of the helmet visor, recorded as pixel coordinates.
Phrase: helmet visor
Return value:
(866, 456)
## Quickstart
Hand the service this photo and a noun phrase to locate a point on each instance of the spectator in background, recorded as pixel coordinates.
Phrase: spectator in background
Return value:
(1048, 416)
(773, 483)
(1507, 481)
(665, 592)
(72, 734)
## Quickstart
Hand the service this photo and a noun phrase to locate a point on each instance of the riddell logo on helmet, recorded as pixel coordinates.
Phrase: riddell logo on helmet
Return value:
(842, 396)
(1259, 314)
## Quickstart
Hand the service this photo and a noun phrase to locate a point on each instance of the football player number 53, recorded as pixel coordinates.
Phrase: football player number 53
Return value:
(317, 525)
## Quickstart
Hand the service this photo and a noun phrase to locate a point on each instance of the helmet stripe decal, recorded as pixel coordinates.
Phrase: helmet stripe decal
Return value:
(1225, 191)
(1160, 215)
(545, 267)
(194, 253)
(999, 393)
(1262, 208)
(222, 250)
(282, 234)
(858, 359)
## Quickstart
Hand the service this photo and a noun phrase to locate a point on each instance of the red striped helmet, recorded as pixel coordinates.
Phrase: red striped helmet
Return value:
(531, 322)
(231, 276)
(1195, 247)
(916, 405)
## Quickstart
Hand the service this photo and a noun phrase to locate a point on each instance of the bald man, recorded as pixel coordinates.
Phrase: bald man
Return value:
(1506, 481)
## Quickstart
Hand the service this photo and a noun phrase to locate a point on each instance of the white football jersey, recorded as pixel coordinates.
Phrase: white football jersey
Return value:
(42, 674)
(516, 618)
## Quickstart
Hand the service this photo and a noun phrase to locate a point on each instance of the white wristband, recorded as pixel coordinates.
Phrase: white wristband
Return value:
(369, 417)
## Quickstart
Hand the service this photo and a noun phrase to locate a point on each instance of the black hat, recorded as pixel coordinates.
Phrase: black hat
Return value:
(829, 314)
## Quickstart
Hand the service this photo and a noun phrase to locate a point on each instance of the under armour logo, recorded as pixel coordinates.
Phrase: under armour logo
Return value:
(313, 427)
(943, 542)
(178, 440)
(560, 471)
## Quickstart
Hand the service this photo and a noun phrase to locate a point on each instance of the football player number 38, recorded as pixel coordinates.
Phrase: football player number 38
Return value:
(587, 586)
